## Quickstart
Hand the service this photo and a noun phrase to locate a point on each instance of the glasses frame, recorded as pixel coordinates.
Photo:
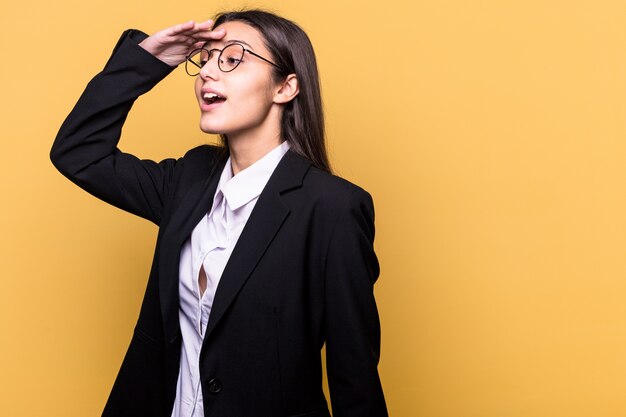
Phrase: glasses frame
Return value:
(209, 51)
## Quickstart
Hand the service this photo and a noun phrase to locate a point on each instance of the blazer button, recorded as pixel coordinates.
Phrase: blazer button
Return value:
(215, 386)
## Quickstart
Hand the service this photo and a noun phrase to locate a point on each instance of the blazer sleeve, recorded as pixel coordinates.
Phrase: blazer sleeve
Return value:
(85, 149)
(352, 323)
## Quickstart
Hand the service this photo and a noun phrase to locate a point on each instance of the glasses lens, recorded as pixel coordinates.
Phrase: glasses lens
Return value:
(231, 57)
(196, 61)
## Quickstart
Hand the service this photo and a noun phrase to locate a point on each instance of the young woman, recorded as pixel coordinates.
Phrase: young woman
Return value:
(262, 254)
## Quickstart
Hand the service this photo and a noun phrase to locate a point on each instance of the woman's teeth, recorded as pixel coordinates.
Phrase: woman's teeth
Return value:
(212, 97)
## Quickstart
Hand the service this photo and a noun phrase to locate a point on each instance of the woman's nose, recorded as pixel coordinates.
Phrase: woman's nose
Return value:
(210, 69)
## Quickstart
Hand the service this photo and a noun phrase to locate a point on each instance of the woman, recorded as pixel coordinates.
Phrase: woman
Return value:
(262, 255)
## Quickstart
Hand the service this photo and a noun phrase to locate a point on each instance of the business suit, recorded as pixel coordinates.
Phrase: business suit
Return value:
(301, 273)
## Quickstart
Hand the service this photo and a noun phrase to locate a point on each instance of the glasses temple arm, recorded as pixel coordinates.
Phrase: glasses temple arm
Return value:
(190, 60)
(259, 56)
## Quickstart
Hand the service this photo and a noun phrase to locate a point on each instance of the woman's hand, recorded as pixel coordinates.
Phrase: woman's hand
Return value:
(172, 45)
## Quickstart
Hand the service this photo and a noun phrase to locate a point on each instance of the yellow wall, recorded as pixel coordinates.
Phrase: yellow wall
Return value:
(492, 135)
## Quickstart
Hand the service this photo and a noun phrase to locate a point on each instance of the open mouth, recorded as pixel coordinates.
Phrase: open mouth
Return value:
(212, 98)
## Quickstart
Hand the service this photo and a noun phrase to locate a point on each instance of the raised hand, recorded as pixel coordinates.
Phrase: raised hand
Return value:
(173, 44)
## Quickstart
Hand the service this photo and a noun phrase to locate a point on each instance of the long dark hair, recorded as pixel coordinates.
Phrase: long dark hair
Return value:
(302, 123)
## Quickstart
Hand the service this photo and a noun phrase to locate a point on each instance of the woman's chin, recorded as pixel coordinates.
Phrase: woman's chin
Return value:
(209, 129)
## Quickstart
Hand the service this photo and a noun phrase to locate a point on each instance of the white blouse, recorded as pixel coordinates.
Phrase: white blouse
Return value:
(209, 246)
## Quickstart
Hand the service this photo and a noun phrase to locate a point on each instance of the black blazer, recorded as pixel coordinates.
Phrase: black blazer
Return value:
(301, 274)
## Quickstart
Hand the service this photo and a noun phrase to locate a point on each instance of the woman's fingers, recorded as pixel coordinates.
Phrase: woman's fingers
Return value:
(206, 33)
(171, 45)
(206, 23)
(191, 28)
(198, 44)
(180, 28)
(198, 37)
(210, 34)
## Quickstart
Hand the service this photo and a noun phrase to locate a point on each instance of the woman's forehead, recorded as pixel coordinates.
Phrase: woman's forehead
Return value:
(238, 32)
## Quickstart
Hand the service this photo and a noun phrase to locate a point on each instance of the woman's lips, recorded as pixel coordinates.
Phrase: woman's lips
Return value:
(204, 106)
(210, 99)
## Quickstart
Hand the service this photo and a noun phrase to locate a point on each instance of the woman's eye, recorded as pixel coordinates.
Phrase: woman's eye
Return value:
(233, 61)
(203, 62)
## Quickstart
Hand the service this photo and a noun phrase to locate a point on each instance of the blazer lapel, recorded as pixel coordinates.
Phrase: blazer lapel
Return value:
(265, 221)
(194, 204)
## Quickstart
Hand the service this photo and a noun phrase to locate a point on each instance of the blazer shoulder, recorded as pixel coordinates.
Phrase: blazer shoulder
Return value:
(330, 195)
(202, 159)
(333, 187)
(202, 153)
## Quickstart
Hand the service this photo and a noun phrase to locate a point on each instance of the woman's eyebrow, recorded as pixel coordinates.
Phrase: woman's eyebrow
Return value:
(236, 41)
(231, 42)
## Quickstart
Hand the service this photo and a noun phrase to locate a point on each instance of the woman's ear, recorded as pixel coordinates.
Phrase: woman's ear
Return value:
(289, 88)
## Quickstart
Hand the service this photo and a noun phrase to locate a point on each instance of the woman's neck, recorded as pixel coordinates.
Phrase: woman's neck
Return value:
(244, 154)
(249, 146)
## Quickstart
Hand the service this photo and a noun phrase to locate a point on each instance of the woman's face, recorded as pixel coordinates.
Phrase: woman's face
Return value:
(248, 89)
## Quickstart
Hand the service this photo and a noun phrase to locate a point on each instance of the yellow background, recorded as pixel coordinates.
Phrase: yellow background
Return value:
(491, 134)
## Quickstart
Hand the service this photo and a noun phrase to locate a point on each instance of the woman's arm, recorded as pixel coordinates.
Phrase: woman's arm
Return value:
(85, 149)
(352, 324)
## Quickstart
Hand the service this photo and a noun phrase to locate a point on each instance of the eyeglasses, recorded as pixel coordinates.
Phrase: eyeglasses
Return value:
(228, 59)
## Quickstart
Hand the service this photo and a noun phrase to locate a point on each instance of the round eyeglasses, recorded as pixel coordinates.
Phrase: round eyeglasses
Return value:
(228, 59)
